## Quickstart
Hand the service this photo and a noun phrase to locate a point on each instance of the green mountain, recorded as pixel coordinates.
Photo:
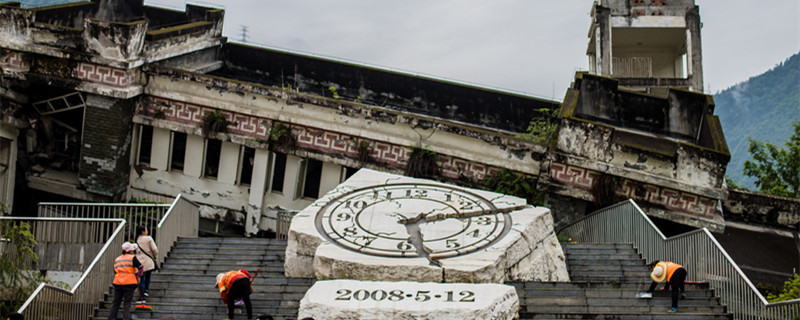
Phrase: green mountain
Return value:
(40, 3)
(761, 108)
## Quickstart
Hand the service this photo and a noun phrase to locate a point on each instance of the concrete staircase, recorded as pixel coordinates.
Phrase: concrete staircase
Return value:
(605, 280)
(184, 287)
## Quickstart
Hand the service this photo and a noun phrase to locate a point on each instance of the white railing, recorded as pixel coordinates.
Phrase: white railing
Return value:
(698, 251)
(50, 302)
(137, 214)
(181, 219)
(284, 220)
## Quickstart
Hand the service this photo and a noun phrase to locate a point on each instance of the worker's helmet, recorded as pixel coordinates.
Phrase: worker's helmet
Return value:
(659, 273)
(219, 278)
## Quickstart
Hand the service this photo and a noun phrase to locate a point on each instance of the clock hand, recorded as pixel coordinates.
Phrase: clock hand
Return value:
(413, 225)
(444, 214)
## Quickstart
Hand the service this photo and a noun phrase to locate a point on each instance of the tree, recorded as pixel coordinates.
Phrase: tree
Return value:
(777, 170)
(791, 290)
(17, 256)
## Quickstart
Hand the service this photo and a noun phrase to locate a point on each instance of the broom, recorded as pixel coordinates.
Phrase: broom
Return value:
(141, 306)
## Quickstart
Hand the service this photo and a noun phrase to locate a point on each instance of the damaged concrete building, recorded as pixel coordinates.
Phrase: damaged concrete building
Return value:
(139, 102)
(146, 103)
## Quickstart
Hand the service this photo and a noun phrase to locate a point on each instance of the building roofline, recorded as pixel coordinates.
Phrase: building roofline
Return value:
(394, 70)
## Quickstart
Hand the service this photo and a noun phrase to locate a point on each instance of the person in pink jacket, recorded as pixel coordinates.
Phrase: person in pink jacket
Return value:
(148, 256)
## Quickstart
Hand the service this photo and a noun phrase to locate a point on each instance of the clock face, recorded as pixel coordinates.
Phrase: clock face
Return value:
(412, 220)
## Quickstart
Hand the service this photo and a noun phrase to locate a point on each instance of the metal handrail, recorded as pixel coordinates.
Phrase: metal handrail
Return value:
(135, 213)
(700, 253)
(50, 302)
(172, 226)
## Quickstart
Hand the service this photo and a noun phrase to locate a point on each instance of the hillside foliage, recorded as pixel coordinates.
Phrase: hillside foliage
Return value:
(775, 168)
(762, 109)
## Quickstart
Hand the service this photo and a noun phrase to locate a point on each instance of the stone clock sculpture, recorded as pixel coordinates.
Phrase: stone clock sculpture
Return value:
(384, 227)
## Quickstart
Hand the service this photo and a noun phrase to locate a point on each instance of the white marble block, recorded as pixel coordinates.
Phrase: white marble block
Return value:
(383, 227)
(378, 300)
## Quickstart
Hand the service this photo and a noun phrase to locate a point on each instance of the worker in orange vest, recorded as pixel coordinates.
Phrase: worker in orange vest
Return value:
(127, 269)
(672, 274)
(234, 285)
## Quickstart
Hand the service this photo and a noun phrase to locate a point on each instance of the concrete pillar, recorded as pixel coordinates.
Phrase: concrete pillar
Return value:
(159, 152)
(603, 39)
(694, 51)
(292, 177)
(195, 154)
(331, 177)
(258, 184)
(8, 158)
(228, 162)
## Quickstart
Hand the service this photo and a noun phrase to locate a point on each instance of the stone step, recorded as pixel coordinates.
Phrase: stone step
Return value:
(531, 285)
(538, 301)
(214, 269)
(612, 261)
(585, 272)
(208, 264)
(222, 313)
(257, 299)
(596, 251)
(613, 293)
(570, 246)
(252, 244)
(226, 256)
(605, 280)
(245, 253)
(620, 309)
(207, 283)
(651, 316)
(602, 257)
(603, 267)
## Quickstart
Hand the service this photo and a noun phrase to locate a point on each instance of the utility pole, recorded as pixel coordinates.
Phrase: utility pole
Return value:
(244, 33)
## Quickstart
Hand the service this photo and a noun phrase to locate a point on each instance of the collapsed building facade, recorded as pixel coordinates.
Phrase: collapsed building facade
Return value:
(147, 103)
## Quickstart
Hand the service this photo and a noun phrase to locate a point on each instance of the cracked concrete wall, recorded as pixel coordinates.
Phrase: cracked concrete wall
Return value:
(679, 115)
(671, 7)
(15, 27)
(114, 41)
(762, 209)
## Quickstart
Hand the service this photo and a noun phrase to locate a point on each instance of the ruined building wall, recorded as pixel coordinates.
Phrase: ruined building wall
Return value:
(757, 208)
(412, 93)
(105, 155)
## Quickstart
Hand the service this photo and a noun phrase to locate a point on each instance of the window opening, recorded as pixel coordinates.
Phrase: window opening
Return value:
(279, 171)
(178, 151)
(312, 179)
(247, 158)
(145, 143)
(213, 150)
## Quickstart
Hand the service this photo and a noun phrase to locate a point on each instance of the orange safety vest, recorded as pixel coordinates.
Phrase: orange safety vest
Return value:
(229, 278)
(124, 271)
(667, 266)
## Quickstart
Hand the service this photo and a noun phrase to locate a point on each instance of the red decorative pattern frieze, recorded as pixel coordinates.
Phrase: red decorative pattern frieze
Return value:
(106, 75)
(573, 176)
(12, 61)
(310, 138)
(671, 199)
(456, 167)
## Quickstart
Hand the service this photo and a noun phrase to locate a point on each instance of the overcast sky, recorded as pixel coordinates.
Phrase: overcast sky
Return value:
(528, 46)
